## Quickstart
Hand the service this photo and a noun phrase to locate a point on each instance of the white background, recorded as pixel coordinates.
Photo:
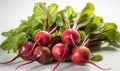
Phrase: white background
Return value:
(12, 11)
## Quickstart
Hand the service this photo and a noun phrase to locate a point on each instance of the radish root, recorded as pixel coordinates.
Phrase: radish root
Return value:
(10, 60)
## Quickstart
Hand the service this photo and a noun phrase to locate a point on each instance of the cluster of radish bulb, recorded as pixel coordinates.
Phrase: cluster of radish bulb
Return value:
(40, 51)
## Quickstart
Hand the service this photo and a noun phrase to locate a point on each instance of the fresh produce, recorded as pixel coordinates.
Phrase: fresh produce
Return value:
(71, 37)
(41, 54)
(23, 50)
(81, 55)
(42, 38)
(50, 35)
(60, 53)
(58, 50)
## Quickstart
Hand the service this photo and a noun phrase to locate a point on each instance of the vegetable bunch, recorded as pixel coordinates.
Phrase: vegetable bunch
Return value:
(63, 35)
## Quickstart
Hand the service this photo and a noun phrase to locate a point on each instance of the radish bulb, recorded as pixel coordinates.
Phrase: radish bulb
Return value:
(81, 56)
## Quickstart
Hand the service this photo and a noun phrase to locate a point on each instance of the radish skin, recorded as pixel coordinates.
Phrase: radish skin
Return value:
(81, 56)
(43, 37)
(58, 50)
(66, 37)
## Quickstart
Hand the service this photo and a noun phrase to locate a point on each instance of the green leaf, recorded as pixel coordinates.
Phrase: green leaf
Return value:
(13, 42)
(52, 14)
(109, 26)
(98, 20)
(33, 22)
(70, 12)
(96, 57)
(95, 25)
(68, 15)
(56, 34)
(52, 19)
(9, 33)
(91, 28)
(83, 35)
(88, 9)
(4, 45)
(59, 20)
(40, 9)
(111, 36)
(39, 19)
(86, 16)
(52, 8)
(62, 29)
(85, 20)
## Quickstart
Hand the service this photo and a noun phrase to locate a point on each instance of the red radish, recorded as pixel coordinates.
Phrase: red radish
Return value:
(41, 54)
(23, 50)
(42, 38)
(67, 34)
(81, 55)
(60, 52)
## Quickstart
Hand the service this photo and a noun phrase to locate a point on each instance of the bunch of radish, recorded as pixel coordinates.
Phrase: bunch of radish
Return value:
(39, 50)
(69, 45)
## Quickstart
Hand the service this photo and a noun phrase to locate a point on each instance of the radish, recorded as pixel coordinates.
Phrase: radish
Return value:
(23, 50)
(42, 38)
(70, 34)
(41, 54)
(81, 55)
(60, 52)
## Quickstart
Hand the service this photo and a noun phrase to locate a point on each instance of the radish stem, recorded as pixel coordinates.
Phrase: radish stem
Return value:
(75, 23)
(47, 22)
(10, 60)
(53, 30)
(98, 66)
(25, 64)
(73, 41)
